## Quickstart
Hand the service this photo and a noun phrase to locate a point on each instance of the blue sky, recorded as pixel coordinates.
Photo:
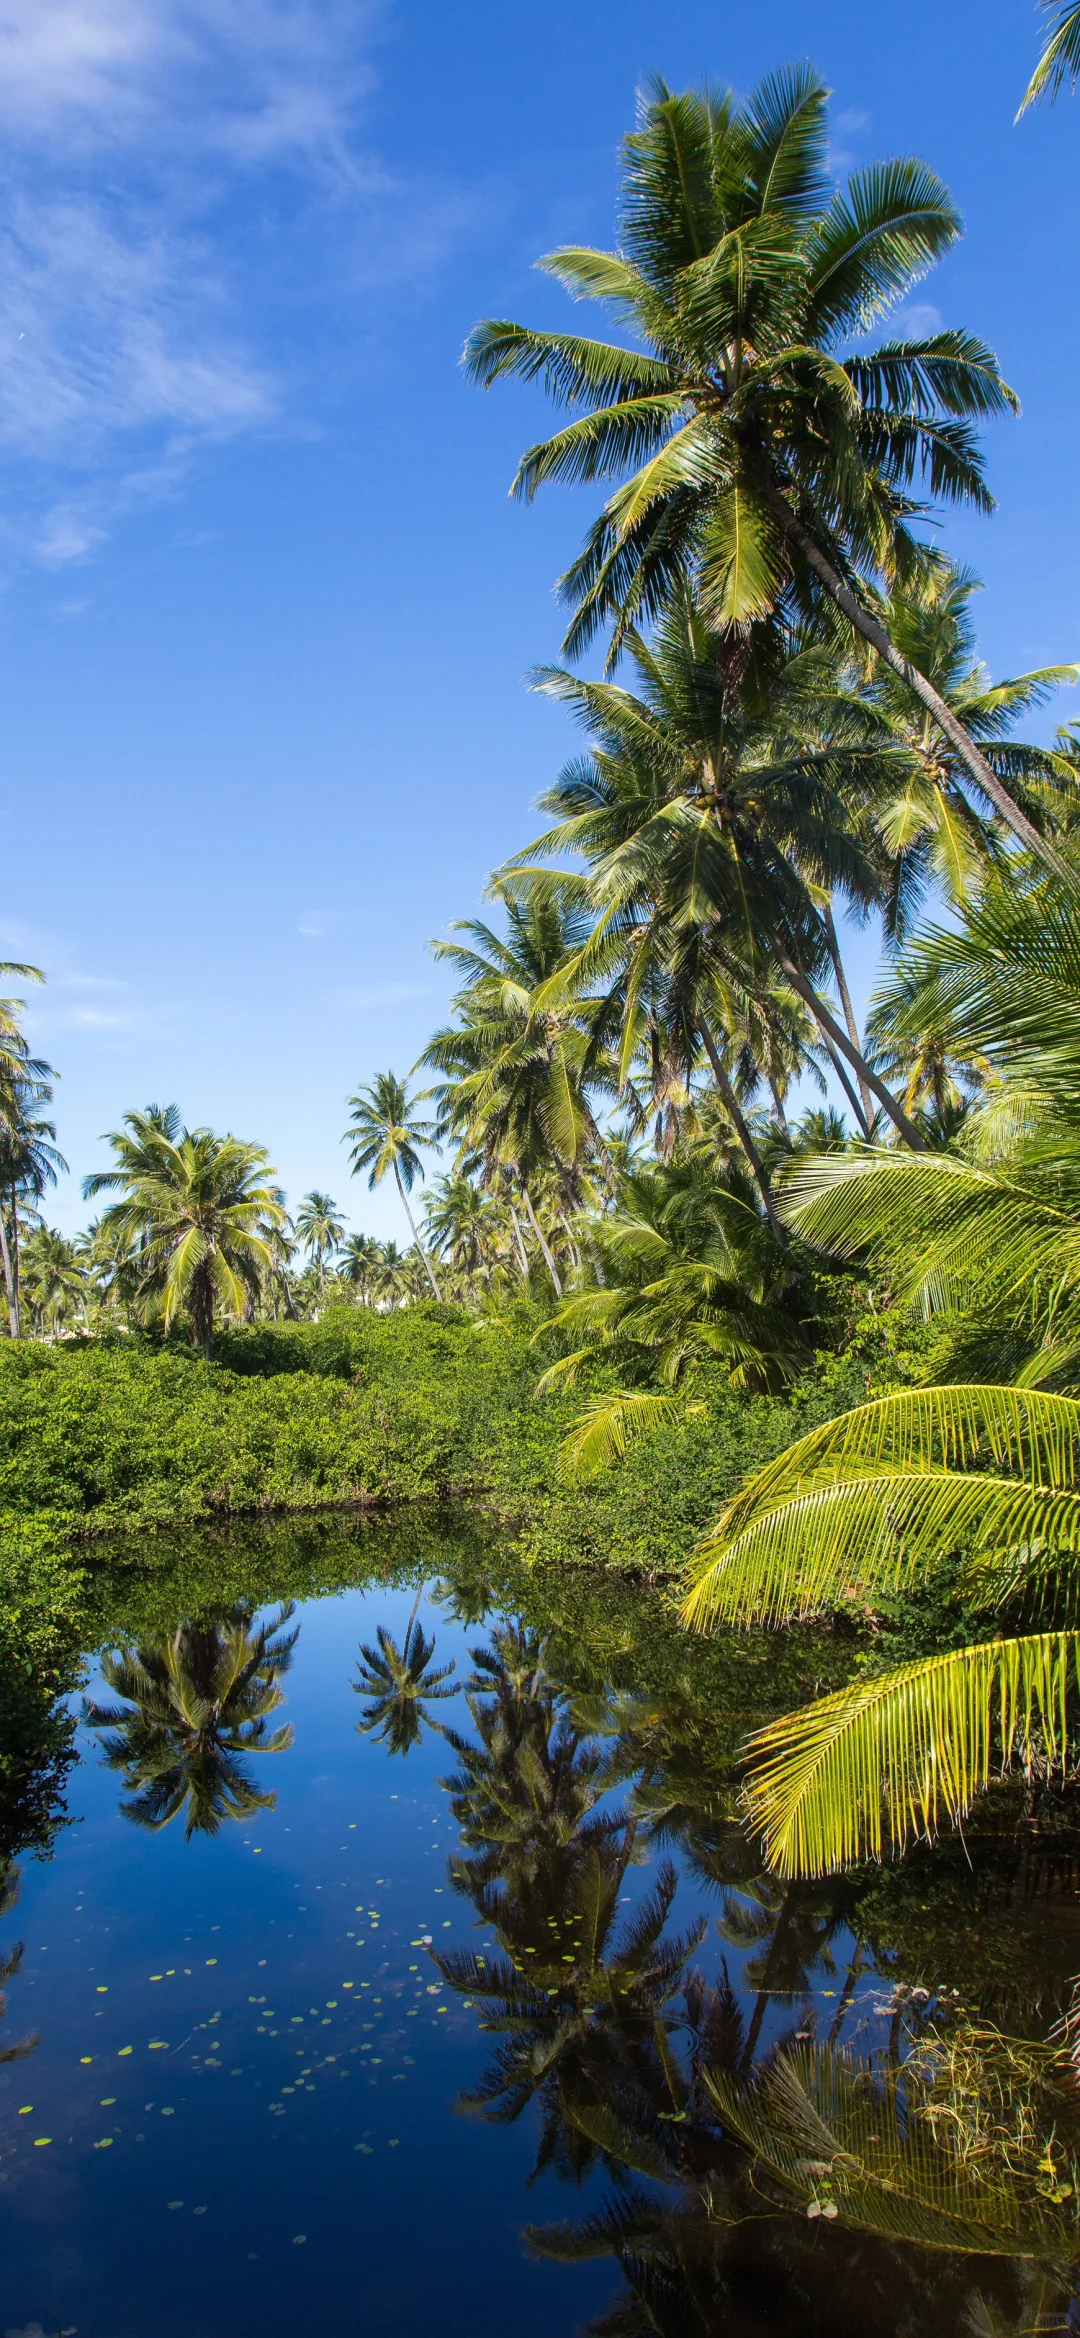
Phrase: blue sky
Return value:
(265, 610)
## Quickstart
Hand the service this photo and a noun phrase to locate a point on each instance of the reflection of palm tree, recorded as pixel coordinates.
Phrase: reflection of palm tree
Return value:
(581, 2004)
(401, 1685)
(793, 1928)
(195, 1705)
(10, 1965)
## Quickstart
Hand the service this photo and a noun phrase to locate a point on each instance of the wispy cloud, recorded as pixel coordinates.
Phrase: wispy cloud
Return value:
(140, 139)
(381, 994)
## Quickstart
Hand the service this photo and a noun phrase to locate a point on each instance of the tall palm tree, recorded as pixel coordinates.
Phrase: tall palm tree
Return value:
(755, 447)
(384, 1134)
(937, 831)
(29, 1162)
(525, 1062)
(194, 1707)
(461, 1222)
(199, 1212)
(321, 1229)
(359, 1263)
(1060, 60)
(712, 828)
(54, 1279)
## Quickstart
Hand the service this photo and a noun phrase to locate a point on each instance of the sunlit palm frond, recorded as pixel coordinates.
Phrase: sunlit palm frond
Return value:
(882, 1762)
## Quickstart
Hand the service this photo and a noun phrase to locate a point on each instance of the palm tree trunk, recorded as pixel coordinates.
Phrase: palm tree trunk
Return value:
(415, 1235)
(778, 1106)
(864, 1120)
(738, 1121)
(845, 1001)
(538, 1231)
(773, 1963)
(828, 1024)
(523, 1258)
(959, 739)
(9, 1280)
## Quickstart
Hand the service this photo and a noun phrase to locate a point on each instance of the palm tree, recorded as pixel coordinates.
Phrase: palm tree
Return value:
(1060, 60)
(933, 831)
(752, 452)
(198, 1212)
(29, 1162)
(386, 1135)
(712, 829)
(684, 1271)
(195, 1705)
(459, 1220)
(54, 1279)
(359, 1263)
(401, 1684)
(526, 1059)
(321, 1230)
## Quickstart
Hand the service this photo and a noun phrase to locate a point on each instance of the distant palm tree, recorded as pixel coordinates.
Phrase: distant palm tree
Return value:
(195, 1705)
(358, 1263)
(461, 1221)
(55, 1279)
(400, 1684)
(199, 1212)
(29, 1162)
(385, 1135)
(321, 1230)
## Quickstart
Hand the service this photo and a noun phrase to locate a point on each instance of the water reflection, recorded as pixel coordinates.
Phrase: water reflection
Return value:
(401, 1683)
(10, 1965)
(815, 2187)
(196, 1705)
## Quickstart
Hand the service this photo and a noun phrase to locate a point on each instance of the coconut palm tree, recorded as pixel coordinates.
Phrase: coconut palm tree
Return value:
(1060, 60)
(195, 1705)
(523, 1067)
(684, 1270)
(712, 829)
(54, 1279)
(401, 1685)
(461, 1223)
(358, 1263)
(756, 448)
(321, 1230)
(199, 1213)
(384, 1134)
(935, 832)
(29, 1163)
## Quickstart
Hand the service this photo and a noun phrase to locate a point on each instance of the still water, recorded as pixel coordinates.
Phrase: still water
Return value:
(399, 1920)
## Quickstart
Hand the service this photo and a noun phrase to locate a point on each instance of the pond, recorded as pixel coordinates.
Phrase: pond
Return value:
(399, 1962)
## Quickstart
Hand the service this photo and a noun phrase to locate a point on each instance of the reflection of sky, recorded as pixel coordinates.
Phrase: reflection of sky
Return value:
(248, 2064)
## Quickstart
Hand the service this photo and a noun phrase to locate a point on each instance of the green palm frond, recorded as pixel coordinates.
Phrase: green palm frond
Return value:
(864, 1503)
(1060, 60)
(609, 1425)
(881, 1763)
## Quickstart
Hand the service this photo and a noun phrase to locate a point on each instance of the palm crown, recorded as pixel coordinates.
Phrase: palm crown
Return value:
(758, 444)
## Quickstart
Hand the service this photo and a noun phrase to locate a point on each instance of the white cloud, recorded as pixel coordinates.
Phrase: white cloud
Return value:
(133, 133)
(914, 321)
(317, 924)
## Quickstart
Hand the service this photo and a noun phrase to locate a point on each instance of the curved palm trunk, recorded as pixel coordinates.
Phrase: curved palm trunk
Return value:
(778, 1106)
(959, 739)
(738, 1121)
(523, 1258)
(9, 1280)
(845, 1001)
(415, 1235)
(831, 1028)
(862, 1117)
(538, 1231)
